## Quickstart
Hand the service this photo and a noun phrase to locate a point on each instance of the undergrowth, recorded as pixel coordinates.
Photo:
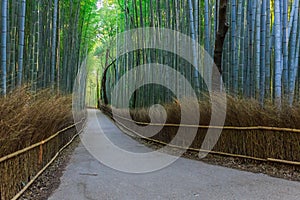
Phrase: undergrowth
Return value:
(257, 143)
(239, 113)
(27, 118)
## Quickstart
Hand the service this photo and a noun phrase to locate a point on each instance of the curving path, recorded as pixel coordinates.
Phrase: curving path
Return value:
(86, 178)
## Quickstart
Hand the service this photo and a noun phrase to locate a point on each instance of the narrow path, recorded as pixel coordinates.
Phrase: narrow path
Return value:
(87, 178)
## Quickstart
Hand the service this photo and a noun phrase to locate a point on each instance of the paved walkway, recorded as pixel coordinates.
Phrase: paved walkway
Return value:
(87, 178)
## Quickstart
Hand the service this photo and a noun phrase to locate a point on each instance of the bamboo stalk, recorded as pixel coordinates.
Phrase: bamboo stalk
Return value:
(283, 161)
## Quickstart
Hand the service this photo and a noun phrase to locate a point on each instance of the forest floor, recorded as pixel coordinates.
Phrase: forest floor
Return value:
(284, 171)
(49, 181)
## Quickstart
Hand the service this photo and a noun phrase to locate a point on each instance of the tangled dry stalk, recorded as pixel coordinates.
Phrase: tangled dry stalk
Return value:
(240, 113)
(28, 118)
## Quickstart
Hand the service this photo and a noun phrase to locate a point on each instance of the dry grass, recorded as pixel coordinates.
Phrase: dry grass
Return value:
(240, 113)
(27, 118)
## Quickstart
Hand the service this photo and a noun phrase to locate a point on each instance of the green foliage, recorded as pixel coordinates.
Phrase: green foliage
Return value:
(56, 38)
(110, 21)
(261, 42)
(106, 22)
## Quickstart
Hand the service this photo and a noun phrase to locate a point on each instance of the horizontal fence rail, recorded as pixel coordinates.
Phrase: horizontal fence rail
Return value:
(266, 128)
(20, 169)
(236, 140)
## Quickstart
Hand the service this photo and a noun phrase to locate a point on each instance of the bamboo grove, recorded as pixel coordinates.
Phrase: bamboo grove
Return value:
(43, 42)
(260, 54)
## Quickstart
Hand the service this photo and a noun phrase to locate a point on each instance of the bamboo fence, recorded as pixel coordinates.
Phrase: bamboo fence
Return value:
(20, 169)
(260, 143)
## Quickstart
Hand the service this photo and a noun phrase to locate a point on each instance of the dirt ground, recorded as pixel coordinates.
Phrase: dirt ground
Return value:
(49, 181)
(289, 172)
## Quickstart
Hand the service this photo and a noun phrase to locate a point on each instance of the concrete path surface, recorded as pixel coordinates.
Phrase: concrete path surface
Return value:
(86, 178)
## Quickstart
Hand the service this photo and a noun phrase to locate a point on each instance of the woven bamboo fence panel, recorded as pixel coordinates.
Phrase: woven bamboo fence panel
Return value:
(18, 169)
(259, 143)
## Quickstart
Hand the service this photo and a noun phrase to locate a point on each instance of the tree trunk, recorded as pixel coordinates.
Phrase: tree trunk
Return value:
(4, 6)
(222, 30)
(21, 41)
(278, 54)
(54, 37)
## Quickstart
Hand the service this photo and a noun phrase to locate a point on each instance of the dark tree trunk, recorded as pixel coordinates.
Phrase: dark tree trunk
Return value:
(103, 81)
(222, 30)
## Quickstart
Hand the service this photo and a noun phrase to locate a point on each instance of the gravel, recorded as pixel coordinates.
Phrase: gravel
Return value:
(49, 181)
(278, 170)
